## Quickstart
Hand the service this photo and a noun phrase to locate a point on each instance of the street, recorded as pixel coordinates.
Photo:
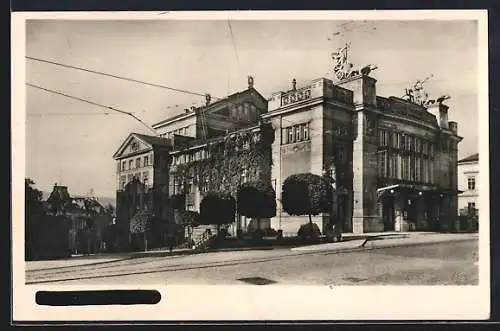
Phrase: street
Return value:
(445, 263)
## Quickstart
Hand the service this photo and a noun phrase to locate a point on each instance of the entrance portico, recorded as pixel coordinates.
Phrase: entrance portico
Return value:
(406, 207)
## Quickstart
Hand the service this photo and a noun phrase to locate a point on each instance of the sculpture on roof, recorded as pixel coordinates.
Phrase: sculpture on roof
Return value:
(417, 94)
(343, 69)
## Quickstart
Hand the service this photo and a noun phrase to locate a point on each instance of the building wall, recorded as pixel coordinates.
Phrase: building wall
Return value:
(183, 126)
(466, 170)
(124, 174)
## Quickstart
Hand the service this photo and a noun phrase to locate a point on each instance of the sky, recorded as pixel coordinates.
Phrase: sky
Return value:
(71, 143)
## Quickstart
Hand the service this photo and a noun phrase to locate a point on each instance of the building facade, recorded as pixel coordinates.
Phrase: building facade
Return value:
(393, 160)
(468, 179)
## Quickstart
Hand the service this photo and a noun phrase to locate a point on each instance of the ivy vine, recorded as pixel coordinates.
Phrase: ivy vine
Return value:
(229, 157)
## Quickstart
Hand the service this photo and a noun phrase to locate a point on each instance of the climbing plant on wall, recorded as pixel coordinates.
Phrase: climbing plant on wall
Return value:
(228, 158)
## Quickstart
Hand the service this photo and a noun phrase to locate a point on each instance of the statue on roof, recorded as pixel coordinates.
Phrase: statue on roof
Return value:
(416, 93)
(342, 68)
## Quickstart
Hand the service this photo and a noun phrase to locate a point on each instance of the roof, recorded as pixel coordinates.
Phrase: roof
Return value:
(153, 140)
(213, 104)
(470, 158)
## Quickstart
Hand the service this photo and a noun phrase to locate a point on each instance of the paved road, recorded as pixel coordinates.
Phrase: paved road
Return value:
(451, 263)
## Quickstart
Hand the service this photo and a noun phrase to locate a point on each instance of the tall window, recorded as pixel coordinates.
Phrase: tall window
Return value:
(290, 135)
(118, 167)
(146, 160)
(298, 133)
(124, 165)
(305, 129)
(383, 137)
(471, 183)
(138, 162)
(122, 182)
(130, 164)
(145, 178)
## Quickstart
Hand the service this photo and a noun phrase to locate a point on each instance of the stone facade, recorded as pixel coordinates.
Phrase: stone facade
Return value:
(393, 161)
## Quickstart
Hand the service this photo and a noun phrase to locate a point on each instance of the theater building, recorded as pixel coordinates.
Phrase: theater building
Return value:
(393, 160)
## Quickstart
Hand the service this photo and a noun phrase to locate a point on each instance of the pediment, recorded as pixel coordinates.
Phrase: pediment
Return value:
(131, 146)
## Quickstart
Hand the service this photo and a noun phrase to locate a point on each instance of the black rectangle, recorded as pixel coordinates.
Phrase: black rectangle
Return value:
(105, 297)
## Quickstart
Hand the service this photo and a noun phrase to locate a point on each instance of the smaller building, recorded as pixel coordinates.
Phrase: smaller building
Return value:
(468, 179)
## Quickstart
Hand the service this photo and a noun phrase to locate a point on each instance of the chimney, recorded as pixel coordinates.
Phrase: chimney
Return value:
(294, 84)
(443, 116)
(208, 98)
(453, 127)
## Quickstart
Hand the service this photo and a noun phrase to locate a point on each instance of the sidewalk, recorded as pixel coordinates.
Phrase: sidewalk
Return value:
(367, 241)
(351, 242)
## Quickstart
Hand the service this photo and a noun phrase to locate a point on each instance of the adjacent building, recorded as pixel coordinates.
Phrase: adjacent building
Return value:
(468, 180)
(393, 160)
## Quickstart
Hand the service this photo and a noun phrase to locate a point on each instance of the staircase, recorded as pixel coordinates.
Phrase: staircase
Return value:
(202, 235)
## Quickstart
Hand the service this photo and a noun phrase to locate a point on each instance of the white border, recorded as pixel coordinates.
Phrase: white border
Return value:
(270, 302)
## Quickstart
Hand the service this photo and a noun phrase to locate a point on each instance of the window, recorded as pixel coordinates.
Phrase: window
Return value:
(295, 133)
(122, 182)
(298, 133)
(305, 135)
(290, 135)
(471, 206)
(130, 164)
(145, 178)
(405, 167)
(471, 183)
(118, 167)
(124, 165)
(146, 161)
(399, 174)
(138, 162)
(129, 178)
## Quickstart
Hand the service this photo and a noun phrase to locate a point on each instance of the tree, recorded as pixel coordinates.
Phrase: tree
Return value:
(217, 208)
(33, 212)
(178, 201)
(109, 209)
(142, 223)
(257, 199)
(306, 194)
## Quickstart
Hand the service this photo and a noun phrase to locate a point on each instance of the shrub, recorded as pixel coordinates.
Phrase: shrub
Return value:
(309, 232)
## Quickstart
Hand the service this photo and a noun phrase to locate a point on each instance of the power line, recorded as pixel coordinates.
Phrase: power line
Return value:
(113, 76)
(234, 45)
(92, 103)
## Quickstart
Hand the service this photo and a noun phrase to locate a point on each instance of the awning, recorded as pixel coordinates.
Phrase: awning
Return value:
(417, 188)
(382, 190)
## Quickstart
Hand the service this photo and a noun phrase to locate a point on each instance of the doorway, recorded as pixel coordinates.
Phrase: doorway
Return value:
(388, 214)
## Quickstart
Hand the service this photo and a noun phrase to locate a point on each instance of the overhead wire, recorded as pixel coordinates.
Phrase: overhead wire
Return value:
(92, 103)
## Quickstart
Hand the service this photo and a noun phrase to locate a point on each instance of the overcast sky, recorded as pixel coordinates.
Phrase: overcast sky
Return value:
(76, 148)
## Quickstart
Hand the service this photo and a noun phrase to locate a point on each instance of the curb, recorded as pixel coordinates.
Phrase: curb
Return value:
(362, 248)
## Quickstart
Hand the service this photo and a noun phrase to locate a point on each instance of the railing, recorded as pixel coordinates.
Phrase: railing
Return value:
(296, 96)
(203, 240)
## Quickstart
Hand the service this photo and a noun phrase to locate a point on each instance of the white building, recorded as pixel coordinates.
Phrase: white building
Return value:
(468, 179)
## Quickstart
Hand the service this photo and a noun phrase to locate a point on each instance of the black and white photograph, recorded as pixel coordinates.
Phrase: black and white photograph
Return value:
(269, 157)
